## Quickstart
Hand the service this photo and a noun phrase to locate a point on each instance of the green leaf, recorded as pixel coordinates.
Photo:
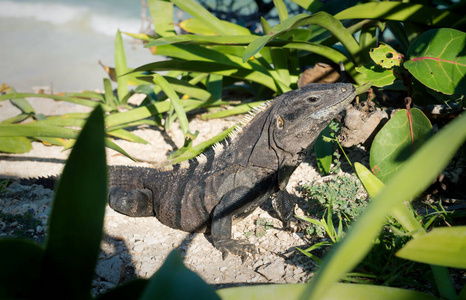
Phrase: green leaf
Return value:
(378, 75)
(199, 12)
(76, 221)
(202, 40)
(394, 143)
(281, 9)
(199, 27)
(309, 5)
(323, 150)
(336, 291)
(18, 144)
(415, 175)
(175, 101)
(37, 130)
(443, 246)
(437, 60)
(109, 97)
(126, 135)
(239, 109)
(386, 57)
(110, 144)
(322, 19)
(201, 147)
(71, 99)
(398, 11)
(162, 17)
(136, 114)
(174, 281)
(21, 262)
(258, 75)
(121, 68)
(126, 291)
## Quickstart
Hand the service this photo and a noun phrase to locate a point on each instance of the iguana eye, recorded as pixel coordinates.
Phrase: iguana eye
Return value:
(313, 99)
(280, 122)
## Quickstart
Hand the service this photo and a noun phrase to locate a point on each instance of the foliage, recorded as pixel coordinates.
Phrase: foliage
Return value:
(64, 267)
(342, 193)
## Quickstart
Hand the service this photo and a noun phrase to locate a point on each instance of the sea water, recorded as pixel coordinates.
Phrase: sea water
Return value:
(57, 44)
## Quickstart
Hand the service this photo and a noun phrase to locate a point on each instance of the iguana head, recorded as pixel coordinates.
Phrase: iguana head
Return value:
(300, 115)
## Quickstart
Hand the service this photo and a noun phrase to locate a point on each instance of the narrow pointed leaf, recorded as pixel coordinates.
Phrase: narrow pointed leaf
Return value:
(76, 221)
(121, 68)
(398, 11)
(162, 17)
(336, 291)
(199, 12)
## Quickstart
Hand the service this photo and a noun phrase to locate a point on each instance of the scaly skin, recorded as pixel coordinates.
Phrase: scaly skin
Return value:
(255, 163)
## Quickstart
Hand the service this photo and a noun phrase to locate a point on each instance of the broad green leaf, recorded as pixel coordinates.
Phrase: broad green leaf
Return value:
(76, 220)
(174, 100)
(174, 281)
(415, 175)
(323, 151)
(198, 27)
(18, 144)
(121, 68)
(21, 262)
(394, 143)
(386, 57)
(162, 17)
(443, 246)
(336, 291)
(378, 75)
(398, 11)
(437, 60)
(199, 12)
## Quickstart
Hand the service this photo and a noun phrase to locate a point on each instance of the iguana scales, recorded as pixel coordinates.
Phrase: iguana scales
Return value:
(228, 182)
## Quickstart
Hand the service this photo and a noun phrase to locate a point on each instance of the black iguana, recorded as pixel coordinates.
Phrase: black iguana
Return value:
(257, 160)
(227, 183)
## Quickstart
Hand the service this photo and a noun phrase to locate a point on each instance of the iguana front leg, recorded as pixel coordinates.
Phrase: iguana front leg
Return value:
(230, 205)
(284, 206)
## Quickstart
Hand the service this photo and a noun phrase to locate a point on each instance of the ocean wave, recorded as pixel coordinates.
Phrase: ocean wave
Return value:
(60, 14)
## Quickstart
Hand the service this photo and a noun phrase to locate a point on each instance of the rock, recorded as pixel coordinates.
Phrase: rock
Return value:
(112, 270)
(273, 271)
(361, 123)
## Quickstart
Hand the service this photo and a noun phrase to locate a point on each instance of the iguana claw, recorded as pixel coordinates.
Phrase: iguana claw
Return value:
(240, 248)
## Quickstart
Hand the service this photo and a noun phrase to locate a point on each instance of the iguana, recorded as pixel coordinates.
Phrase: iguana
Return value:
(228, 182)
(238, 175)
